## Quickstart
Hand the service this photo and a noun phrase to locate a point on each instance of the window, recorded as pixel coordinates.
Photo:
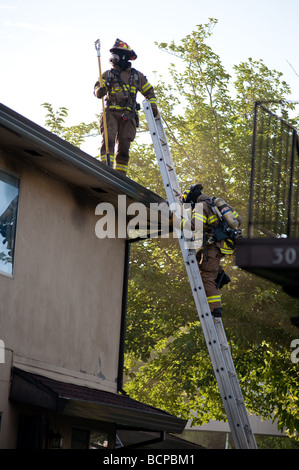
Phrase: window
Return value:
(9, 195)
(98, 440)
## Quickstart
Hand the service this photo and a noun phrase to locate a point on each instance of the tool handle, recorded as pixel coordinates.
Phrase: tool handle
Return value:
(98, 49)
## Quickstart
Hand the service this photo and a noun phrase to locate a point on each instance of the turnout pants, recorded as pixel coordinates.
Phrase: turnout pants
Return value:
(120, 133)
(209, 265)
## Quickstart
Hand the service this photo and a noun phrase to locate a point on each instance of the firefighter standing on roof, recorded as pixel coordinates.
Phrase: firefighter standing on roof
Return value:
(218, 241)
(120, 85)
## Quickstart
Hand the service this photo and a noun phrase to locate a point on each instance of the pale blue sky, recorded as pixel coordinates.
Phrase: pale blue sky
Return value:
(47, 48)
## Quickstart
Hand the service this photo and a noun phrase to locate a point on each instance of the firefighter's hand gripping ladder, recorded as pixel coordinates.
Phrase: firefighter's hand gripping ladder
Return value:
(213, 330)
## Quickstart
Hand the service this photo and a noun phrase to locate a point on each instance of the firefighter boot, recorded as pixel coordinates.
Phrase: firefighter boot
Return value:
(217, 312)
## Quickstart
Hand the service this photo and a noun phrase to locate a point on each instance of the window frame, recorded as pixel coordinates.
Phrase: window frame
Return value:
(12, 175)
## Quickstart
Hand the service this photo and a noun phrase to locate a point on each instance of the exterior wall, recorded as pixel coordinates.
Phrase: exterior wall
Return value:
(60, 311)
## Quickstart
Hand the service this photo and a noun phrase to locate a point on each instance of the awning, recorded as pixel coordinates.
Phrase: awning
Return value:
(85, 402)
(275, 259)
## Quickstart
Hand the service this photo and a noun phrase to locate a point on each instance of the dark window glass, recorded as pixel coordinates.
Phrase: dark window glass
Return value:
(9, 196)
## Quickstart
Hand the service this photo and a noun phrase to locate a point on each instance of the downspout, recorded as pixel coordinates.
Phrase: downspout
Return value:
(123, 320)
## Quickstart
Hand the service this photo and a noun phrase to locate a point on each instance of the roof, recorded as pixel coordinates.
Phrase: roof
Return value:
(60, 158)
(86, 402)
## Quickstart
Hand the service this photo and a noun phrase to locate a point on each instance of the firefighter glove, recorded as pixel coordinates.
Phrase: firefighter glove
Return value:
(155, 110)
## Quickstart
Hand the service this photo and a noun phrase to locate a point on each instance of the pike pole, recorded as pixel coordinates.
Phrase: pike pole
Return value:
(98, 49)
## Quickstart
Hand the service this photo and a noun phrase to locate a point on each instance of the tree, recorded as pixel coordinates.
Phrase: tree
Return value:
(208, 121)
(209, 128)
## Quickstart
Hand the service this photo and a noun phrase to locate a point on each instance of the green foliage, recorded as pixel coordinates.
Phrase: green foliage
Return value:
(208, 120)
(167, 360)
(76, 135)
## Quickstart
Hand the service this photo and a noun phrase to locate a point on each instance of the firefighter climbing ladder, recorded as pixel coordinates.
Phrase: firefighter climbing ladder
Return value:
(213, 330)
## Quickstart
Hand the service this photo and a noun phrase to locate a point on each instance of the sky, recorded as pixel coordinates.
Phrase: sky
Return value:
(47, 50)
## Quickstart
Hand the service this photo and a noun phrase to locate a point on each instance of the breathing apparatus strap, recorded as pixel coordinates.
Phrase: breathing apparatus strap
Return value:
(134, 74)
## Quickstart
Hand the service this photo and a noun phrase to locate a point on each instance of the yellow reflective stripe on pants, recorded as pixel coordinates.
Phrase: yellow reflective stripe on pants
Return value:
(121, 167)
(104, 158)
(214, 298)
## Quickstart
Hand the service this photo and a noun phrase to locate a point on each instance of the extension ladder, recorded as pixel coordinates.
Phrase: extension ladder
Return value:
(213, 330)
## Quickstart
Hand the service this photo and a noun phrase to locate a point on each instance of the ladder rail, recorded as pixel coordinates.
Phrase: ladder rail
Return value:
(223, 368)
(213, 330)
(235, 382)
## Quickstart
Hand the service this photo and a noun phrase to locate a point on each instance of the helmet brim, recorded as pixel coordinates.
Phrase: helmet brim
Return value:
(131, 54)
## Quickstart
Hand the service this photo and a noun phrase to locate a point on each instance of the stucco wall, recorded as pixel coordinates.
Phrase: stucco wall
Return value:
(62, 306)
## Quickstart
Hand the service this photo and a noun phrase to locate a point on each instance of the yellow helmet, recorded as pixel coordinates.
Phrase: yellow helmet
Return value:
(123, 46)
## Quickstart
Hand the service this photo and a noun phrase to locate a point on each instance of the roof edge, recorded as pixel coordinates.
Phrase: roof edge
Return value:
(74, 156)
